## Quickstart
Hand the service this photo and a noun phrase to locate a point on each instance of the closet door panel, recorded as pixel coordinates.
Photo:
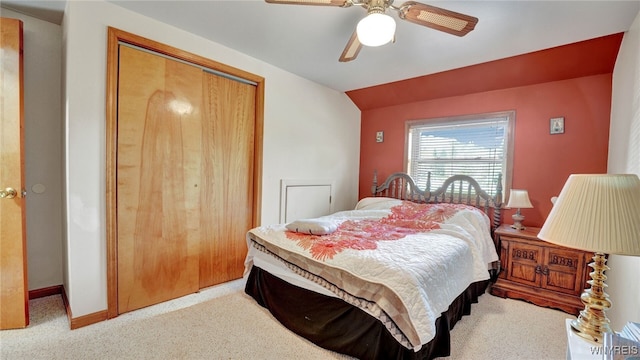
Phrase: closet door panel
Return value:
(158, 178)
(227, 168)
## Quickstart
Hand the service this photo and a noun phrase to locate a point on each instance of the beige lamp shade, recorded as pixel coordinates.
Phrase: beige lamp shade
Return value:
(519, 199)
(599, 213)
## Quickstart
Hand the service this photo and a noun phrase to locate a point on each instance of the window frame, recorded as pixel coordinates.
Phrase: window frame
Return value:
(510, 115)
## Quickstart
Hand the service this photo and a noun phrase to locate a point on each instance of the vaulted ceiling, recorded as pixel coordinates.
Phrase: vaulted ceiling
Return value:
(308, 40)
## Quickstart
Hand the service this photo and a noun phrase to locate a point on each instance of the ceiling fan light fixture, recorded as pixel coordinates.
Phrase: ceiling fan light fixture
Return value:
(376, 29)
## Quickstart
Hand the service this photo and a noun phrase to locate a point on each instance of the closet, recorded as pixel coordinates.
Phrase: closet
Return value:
(184, 154)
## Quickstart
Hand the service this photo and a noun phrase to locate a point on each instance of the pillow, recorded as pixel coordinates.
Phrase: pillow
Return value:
(377, 203)
(313, 226)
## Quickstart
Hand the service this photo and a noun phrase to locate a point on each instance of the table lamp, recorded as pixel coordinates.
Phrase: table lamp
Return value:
(518, 199)
(601, 214)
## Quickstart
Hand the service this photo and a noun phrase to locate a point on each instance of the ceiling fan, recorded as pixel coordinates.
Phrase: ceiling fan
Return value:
(378, 28)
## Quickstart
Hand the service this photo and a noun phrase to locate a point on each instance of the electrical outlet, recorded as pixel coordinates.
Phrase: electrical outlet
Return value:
(380, 136)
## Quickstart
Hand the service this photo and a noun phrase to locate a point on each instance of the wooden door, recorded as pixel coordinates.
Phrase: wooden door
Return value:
(158, 178)
(14, 300)
(228, 138)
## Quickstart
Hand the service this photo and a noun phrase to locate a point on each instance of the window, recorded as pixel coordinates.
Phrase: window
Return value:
(479, 146)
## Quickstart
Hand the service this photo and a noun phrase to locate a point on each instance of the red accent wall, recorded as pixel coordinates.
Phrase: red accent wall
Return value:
(542, 162)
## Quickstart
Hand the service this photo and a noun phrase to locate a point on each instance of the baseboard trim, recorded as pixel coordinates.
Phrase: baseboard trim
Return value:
(74, 323)
(44, 292)
(65, 302)
(88, 319)
(81, 321)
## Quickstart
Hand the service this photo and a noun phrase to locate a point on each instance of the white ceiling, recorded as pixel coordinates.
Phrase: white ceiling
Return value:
(308, 40)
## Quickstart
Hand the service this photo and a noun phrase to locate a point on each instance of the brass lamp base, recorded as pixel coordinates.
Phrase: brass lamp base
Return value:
(593, 322)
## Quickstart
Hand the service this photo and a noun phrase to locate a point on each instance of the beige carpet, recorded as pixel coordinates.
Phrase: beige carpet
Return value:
(224, 323)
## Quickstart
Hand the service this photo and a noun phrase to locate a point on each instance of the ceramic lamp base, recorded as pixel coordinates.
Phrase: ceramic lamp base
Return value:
(517, 221)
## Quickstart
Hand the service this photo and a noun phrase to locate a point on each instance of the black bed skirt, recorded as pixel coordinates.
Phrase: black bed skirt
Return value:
(333, 324)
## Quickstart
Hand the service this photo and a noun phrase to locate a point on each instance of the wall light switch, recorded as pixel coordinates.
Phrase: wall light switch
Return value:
(380, 136)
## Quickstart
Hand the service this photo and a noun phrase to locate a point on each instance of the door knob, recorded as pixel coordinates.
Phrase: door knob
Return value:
(8, 193)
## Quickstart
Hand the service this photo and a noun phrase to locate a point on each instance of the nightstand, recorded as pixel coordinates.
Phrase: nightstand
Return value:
(539, 272)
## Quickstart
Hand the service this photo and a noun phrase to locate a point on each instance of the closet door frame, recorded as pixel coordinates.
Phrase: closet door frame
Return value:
(115, 37)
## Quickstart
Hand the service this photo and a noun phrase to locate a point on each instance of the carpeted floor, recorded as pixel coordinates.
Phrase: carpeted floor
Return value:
(224, 323)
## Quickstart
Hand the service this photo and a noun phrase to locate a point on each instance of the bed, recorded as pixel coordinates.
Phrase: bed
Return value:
(386, 280)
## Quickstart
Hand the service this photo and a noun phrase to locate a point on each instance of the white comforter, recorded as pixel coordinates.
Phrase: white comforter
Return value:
(425, 270)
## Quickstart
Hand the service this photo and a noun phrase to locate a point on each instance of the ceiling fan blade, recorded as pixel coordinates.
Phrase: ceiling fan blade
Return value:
(352, 49)
(437, 18)
(342, 3)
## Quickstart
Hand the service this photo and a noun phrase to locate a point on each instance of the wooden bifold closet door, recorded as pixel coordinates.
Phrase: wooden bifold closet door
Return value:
(227, 172)
(185, 166)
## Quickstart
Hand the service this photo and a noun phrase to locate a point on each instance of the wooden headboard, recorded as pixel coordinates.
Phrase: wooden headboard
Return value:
(458, 189)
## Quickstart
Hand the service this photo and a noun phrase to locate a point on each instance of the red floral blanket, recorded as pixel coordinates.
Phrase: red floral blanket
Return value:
(407, 218)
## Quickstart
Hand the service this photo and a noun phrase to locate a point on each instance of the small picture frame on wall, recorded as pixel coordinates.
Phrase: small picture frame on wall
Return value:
(556, 125)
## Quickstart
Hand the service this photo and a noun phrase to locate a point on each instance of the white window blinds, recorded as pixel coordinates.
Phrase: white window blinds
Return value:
(476, 146)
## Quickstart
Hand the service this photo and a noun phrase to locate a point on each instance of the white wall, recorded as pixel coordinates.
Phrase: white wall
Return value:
(624, 157)
(310, 131)
(43, 149)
